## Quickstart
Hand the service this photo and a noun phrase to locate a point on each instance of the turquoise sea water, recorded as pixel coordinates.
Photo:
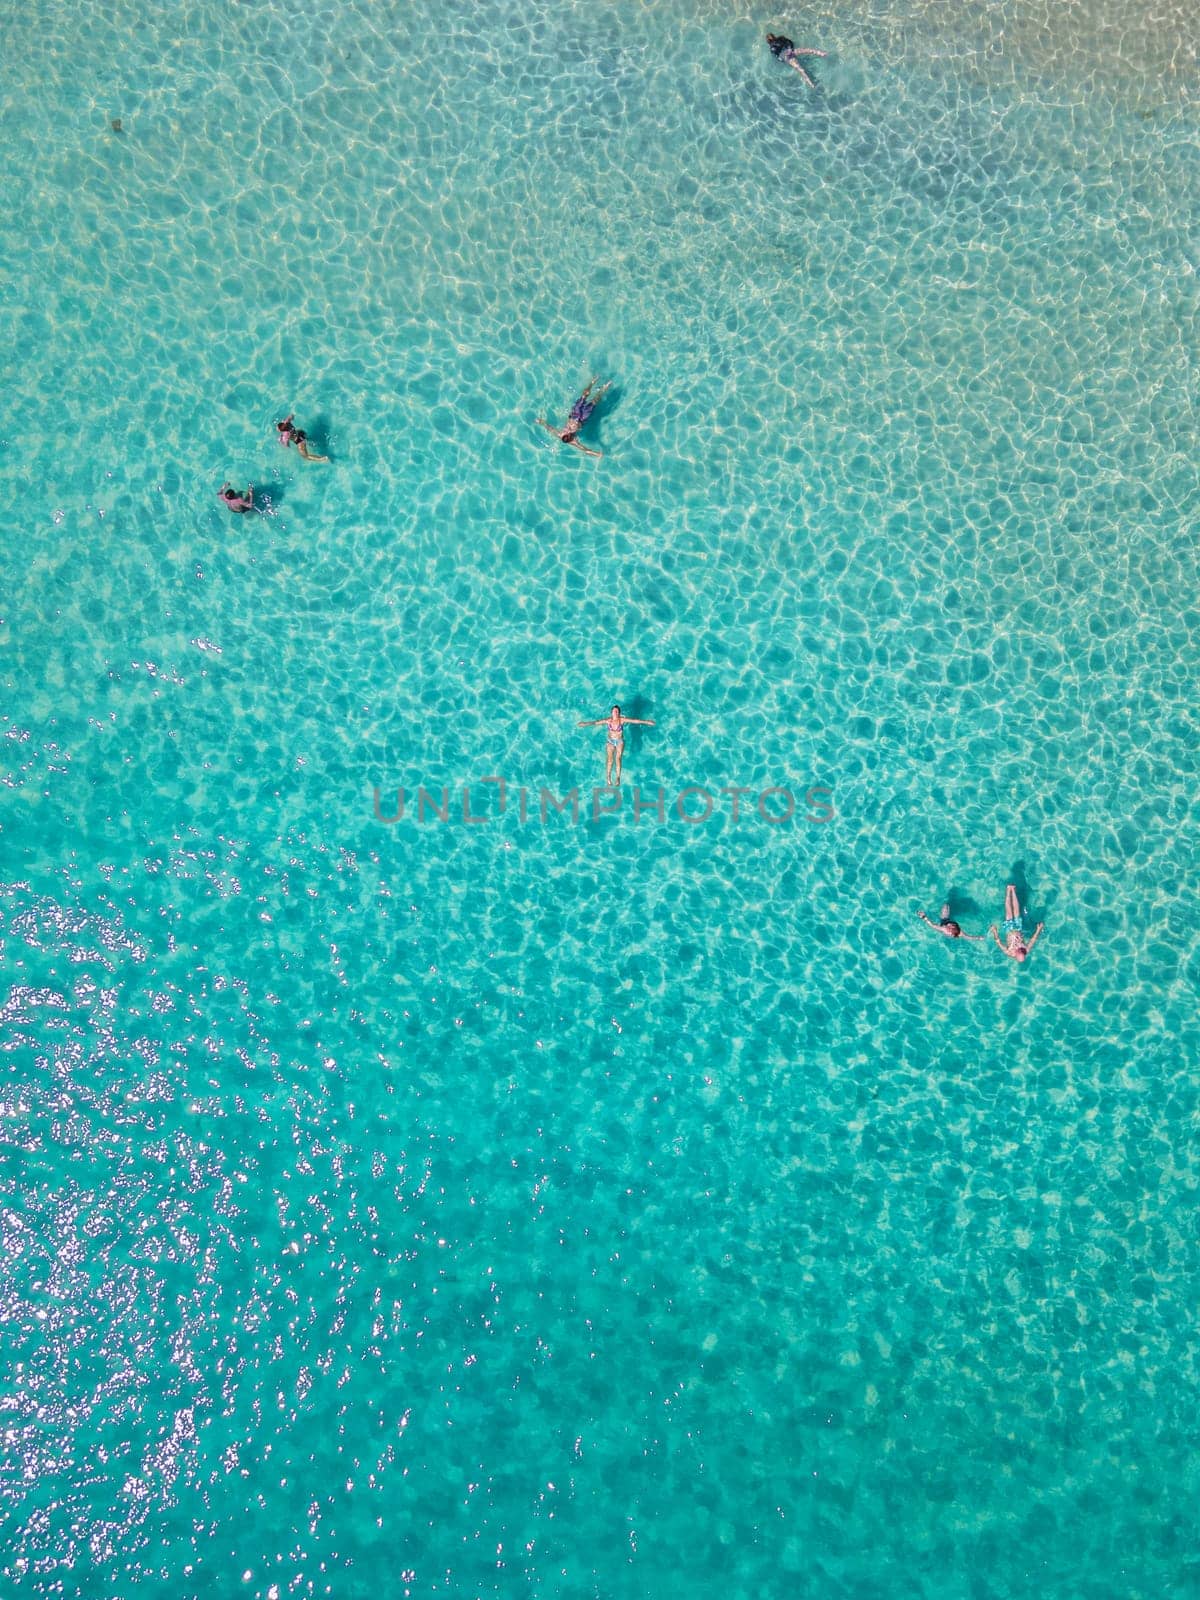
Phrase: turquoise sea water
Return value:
(608, 1208)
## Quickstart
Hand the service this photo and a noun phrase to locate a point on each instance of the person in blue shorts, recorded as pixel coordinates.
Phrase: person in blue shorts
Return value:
(1014, 944)
(784, 50)
(580, 412)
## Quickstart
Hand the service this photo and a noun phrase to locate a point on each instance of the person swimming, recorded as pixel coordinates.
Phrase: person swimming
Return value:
(235, 501)
(1014, 943)
(614, 748)
(580, 412)
(289, 434)
(790, 53)
(948, 926)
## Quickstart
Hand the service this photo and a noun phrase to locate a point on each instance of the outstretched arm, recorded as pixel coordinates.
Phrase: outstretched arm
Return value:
(995, 935)
(973, 936)
(1036, 935)
(598, 722)
(575, 444)
(640, 722)
(548, 426)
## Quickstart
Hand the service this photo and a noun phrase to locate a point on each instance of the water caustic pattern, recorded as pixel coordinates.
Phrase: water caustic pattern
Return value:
(598, 1207)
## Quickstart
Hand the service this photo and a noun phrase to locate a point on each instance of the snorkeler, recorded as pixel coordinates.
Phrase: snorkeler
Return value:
(790, 53)
(580, 412)
(1014, 944)
(234, 500)
(297, 436)
(948, 926)
(614, 749)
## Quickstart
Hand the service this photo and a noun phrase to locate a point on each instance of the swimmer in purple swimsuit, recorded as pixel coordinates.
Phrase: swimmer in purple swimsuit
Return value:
(234, 500)
(614, 749)
(580, 412)
(790, 53)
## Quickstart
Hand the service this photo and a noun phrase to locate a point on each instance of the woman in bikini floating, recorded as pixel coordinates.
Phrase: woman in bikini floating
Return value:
(580, 412)
(1014, 944)
(948, 926)
(614, 749)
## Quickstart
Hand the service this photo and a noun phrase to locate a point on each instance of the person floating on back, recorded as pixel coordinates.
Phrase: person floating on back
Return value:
(288, 434)
(790, 53)
(580, 412)
(614, 750)
(1014, 944)
(236, 501)
(948, 926)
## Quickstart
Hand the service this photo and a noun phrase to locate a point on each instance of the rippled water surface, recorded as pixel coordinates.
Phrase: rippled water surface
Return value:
(611, 1206)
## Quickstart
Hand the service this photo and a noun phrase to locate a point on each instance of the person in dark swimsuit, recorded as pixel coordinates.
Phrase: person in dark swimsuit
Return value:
(614, 748)
(948, 926)
(289, 434)
(580, 412)
(790, 53)
(234, 500)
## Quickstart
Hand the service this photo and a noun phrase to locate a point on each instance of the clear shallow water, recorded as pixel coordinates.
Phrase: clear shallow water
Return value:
(591, 1209)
